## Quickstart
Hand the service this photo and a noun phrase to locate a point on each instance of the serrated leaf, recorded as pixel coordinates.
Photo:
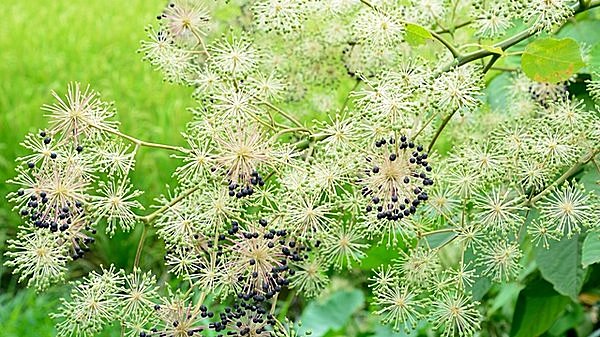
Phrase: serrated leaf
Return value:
(590, 253)
(561, 265)
(416, 35)
(551, 60)
(332, 313)
(538, 306)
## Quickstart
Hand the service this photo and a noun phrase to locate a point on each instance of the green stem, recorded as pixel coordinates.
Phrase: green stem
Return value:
(347, 99)
(424, 126)
(503, 45)
(513, 40)
(574, 169)
(283, 113)
(440, 129)
(140, 142)
(447, 44)
(138, 252)
(460, 25)
(489, 65)
(305, 143)
(368, 4)
(150, 217)
(507, 69)
(438, 231)
(288, 130)
(286, 306)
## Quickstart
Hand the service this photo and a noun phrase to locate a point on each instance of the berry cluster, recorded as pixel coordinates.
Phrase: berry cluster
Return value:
(244, 319)
(395, 181)
(242, 190)
(179, 320)
(259, 258)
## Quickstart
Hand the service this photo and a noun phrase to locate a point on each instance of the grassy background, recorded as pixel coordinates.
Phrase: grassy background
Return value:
(43, 46)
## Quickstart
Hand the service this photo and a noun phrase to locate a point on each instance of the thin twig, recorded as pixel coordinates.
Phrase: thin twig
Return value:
(138, 252)
(489, 65)
(347, 99)
(139, 141)
(574, 169)
(447, 44)
(283, 113)
(440, 129)
(150, 217)
(460, 25)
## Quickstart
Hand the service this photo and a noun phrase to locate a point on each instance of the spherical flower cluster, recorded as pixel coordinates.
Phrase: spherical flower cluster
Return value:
(395, 181)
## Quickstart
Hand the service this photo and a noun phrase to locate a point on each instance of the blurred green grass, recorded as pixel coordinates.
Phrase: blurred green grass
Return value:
(43, 46)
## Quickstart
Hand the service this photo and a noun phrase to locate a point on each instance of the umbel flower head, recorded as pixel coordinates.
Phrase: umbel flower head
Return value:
(259, 257)
(81, 113)
(178, 317)
(185, 19)
(396, 178)
(52, 197)
(39, 257)
(241, 152)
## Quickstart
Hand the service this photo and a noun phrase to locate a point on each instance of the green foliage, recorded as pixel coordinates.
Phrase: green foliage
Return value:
(551, 60)
(417, 35)
(537, 308)
(332, 312)
(594, 63)
(379, 255)
(590, 252)
(561, 265)
(27, 311)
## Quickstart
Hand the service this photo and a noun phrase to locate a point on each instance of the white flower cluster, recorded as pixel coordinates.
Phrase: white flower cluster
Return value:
(321, 129)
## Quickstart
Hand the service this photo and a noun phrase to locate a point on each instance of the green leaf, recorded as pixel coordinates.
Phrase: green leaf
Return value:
(551, 60)
(439, 239)
(379, 255)
(595, 58)
(416, 35)
(561, 265)
(572, 317)
(590, 253)
(386, 331)
(537, 308)
(507, 295)
(591, 180)
(481, 286)
(332, 313)
(585, 30)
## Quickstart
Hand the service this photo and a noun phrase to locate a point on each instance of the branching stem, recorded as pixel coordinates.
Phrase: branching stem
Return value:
(439, 130)
(140, 142)
(150, 217)
(438, 37)
(460, 25)
(586, 158)
(283, 113)
(138, 252)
